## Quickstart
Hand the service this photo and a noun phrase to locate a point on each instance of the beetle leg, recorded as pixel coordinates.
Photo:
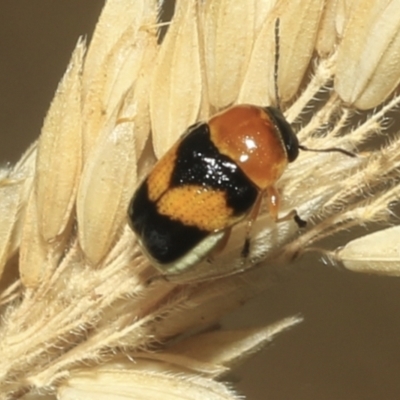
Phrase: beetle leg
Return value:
(273, 201)
(250, 221)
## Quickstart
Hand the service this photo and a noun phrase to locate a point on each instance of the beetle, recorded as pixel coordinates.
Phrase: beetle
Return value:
(214, 177)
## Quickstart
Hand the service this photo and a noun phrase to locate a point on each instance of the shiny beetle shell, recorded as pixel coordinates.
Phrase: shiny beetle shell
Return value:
(211, 179)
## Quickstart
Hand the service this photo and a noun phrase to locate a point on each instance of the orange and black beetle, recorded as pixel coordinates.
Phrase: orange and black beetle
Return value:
(214, 177)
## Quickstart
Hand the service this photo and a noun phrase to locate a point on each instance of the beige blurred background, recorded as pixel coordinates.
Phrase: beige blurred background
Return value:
(348, 346)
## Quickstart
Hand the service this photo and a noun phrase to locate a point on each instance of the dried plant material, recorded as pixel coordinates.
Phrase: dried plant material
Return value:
(262, 11)
(57, 177)
(297, 35)
(111, 70)
(327, 33)
(260, 68)
(223, 40)
(121, 16)
(376, 253)
(175, 93)
(15, 188)
(132, 381)
(38, 396)
(136, 105)
(10, 194)
(227, 348)
(365, 78)
(209, 300)
(215, 353)
(344, 12)
(32, 266)
(107, 184)
(69, 329)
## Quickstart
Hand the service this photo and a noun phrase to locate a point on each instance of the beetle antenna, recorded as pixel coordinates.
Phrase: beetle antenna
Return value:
(328, 150)
(277, 54)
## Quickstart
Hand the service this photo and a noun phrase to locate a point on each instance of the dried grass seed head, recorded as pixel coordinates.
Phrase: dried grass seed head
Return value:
(81, 299)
